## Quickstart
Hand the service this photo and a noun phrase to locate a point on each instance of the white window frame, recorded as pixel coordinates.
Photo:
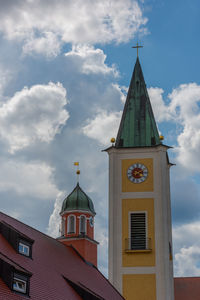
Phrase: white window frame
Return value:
(22, 247)
(69, 225)
(16, 287)
(80, 217)
(146, 219)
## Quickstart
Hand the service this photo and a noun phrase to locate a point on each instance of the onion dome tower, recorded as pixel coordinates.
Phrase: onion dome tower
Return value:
(77, 224)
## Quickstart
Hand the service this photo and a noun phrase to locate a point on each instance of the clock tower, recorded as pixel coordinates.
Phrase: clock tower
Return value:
(140, 238)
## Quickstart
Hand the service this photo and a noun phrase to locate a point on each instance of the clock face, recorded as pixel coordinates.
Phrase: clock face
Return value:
(91, 221)
(137, 173)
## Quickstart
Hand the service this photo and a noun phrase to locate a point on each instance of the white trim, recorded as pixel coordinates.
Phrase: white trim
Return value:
(137, 195)
(68, 225)
(137, 151)
(77, 211)
(138, 270)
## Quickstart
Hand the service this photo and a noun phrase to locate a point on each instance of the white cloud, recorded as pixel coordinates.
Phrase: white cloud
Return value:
(123, 90)
(5, 76)
(101, 235)
(187, 249)
(34, 114)
(185, 109)
(27, 178)
(103, 127)
(186, 260)
(91, 60)
(160, 109)
(48, 44)
(55, 219)
(39, 23)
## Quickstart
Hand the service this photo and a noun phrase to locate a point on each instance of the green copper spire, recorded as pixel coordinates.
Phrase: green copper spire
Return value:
(138, 127)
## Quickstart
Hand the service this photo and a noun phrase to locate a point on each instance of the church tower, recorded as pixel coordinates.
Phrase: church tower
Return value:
(140, 238)
(77, 224)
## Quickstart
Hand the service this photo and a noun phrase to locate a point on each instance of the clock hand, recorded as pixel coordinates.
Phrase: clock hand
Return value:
(135, 172)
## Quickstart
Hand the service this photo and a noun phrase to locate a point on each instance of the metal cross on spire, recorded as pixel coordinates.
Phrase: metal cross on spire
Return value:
(137, 46)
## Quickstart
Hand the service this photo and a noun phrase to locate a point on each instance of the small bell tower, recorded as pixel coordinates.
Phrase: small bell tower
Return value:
(77, 223)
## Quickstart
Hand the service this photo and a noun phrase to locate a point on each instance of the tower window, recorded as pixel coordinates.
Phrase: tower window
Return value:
(71, 224)
(138, 231)
(82, 224)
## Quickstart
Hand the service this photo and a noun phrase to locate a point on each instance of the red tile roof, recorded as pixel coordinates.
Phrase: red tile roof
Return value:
(187, 288)
(50, 264)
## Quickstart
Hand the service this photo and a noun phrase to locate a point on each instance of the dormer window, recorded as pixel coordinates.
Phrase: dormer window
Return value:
(15, 277)
(19, 241)
(24, 248)
(20, 283)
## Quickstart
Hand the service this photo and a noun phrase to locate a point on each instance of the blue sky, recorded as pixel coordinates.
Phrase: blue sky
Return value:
(65, 67)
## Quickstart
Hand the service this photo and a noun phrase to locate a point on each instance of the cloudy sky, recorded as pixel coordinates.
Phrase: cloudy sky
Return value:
(65, 66)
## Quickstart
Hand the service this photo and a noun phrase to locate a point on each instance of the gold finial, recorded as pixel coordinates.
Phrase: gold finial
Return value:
(112, 140)
(137, 46)
(161, 137)
(77, 171)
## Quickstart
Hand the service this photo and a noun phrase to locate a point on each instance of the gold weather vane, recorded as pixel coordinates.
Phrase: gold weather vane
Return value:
(77, 171)
(137, 46)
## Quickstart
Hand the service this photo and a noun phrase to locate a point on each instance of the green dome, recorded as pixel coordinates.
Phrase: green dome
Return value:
(78, 200)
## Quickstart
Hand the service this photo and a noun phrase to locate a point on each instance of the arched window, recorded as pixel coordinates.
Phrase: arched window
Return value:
(82, 224)
(71, 224)
(62, 226)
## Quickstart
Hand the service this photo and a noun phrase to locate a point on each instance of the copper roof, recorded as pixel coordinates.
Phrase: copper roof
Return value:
(138, 127)
(56, 269)
(78, 200)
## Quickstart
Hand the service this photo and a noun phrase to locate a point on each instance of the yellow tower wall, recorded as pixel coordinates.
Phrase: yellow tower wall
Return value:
(139, 287)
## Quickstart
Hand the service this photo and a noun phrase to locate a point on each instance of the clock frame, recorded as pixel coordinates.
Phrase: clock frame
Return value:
(137, 173)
